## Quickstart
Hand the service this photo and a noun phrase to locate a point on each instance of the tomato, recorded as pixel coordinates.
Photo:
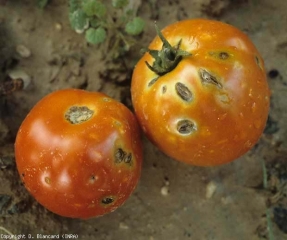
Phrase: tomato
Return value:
(79, 153)
(200, 92)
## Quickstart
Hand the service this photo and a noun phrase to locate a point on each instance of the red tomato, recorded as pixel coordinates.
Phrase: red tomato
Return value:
(79, 153)
(200, 92)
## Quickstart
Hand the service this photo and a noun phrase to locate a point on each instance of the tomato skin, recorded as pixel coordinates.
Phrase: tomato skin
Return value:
(76, 169)
(224, 119)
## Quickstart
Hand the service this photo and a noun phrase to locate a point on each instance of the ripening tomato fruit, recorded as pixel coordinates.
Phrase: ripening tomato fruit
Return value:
(200, 92)
(79, 153)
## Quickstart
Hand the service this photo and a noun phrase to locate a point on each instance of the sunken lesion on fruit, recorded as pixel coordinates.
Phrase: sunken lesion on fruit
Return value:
(108, 200)
(78, 114)
(183, 92)
(258, 62)
(208, 78)
(121, 155)
(222, 55)
(185, 127)
(47, 180)
(163, 89)
(93, 178)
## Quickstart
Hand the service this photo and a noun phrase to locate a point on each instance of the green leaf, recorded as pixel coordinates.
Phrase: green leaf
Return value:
(135, 26)
(79, 20)
(96, 36)
(42, 3)
(95, 22)
(130, 13)
(94, 8)
(74, 5)
(120, 3)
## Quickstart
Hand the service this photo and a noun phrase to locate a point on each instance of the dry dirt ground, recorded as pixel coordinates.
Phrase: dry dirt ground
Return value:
(172, 201)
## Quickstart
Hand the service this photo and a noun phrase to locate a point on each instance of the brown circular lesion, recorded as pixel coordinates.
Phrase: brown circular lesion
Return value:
(183, 92)
(108, 200)
(119, 155)
(48, 180)
(164, 88)
(128, 158)
(185, 127)
(207, 77)
(220, 55)
(78, 114)
(122, 156)
(223, 55)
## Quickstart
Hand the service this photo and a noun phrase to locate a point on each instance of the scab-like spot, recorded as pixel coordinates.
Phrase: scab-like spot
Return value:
(47, 180)
(128, 158)
(78, 114)
(207, 78)
(93, 178)
(183, 92)
(122, 156)
(258, 62)
(152, 81)
(185, 127)
(106, 99)
(221, 55)
(224, 98)
(163, 89)
(119, 155)
(107, 200)
(117, 123)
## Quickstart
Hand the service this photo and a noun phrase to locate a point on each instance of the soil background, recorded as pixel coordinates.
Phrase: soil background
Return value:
(173, 201)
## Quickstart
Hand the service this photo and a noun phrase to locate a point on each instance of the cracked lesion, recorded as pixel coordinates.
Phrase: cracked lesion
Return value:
(108, 200)
(153, 81)
(183, 92)
(164, 88)
(258, 62)
(78, 114)
(122, 156)
(207, 78)
(186, 127)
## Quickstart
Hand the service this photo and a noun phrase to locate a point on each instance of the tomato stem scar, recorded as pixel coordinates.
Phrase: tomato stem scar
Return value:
(78, 114)
(166, 59)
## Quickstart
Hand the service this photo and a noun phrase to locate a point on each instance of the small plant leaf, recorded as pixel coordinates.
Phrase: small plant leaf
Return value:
(74, 5)
(96, 36)
(120, 3)
(94, 8)
(130, 12)
(95, 22)
(135, 26)
(79, 20)
(42, 3)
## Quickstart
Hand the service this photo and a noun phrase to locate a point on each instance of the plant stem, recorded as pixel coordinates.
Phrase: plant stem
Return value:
(264, 169)
(269, 225)
(268, 210)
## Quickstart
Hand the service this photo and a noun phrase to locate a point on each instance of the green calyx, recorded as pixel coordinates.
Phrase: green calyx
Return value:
(166, 59)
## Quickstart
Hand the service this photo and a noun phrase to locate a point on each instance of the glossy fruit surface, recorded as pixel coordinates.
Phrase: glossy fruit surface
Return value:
(79, 153)
(200, 92)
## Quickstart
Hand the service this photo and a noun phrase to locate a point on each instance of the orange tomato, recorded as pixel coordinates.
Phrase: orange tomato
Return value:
(79, 153)
(200, 92)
